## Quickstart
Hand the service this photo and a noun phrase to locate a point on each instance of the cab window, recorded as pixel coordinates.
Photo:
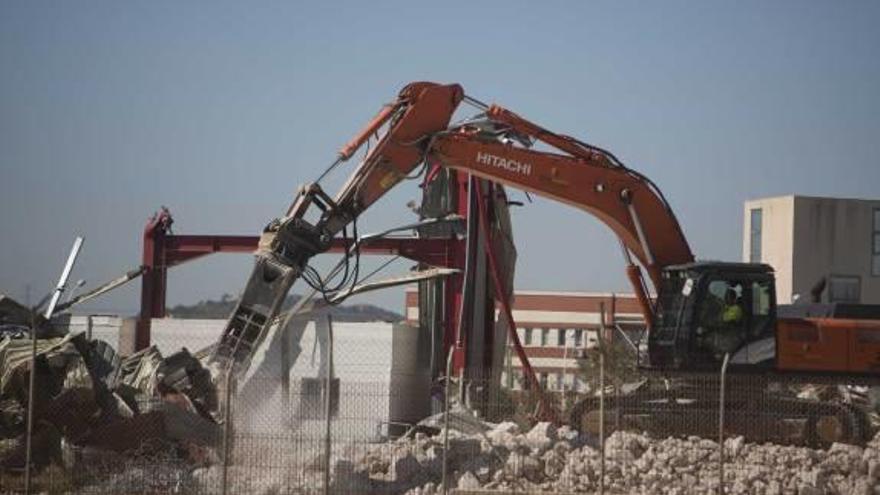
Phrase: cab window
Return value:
(761, 308)
(722, 305)
(722, 318)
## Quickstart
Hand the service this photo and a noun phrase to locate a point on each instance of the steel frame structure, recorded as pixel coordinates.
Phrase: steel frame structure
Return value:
(163, 250)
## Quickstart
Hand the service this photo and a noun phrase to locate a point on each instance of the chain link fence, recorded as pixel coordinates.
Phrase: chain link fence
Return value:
(324, 414)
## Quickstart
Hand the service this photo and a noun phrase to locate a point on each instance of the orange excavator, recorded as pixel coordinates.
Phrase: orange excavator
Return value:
(701, 313)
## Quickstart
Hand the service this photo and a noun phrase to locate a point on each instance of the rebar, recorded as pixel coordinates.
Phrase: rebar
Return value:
(32, 379)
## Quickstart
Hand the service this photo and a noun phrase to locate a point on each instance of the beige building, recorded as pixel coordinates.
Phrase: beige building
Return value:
(554, 329)
(806, 238)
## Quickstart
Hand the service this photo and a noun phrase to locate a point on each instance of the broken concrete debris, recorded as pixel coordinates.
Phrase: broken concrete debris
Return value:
(88, 397)
(545, 459)
(153, 418)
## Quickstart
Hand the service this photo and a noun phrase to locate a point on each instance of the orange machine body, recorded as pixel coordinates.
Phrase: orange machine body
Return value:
(828, 344)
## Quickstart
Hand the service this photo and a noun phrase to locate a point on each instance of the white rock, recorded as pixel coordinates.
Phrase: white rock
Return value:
(541, 437)
(506, 427)
(808, 490)
(625, 445)
(852, 450)
(733, 446)
(468, 481)
(862, 486)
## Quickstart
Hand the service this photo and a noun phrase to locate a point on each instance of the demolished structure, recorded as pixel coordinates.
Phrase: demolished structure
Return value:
(89, 397)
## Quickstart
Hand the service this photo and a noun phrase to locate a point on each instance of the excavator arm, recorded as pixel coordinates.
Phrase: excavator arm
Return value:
(583, 176)
(495, 146)
(287, 244)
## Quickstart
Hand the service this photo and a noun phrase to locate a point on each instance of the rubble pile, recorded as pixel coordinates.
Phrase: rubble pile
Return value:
(92, 404)
(150, 422)
(547, 459)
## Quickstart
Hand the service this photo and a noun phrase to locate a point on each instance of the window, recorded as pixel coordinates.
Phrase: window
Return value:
(719, 308)
(875, 245)
(762, 321)
(760, 298)
(755, 235)
(528, 337)
(560, 337)
(844, 288)
(579, 338)
(592, 339)
(545, 332)
(721, 323)
(524, 383)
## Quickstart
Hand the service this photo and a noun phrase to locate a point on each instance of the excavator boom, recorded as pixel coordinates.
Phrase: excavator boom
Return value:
(498, 145)
(416, 131)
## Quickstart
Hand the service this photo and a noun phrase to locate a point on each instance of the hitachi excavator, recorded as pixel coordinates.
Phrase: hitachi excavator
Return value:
(701, 314)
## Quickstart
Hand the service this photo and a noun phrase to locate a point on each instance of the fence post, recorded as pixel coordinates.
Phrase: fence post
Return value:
(328, 387)
(284, 336)
(721, 407)
(30, 408)
(444, 479)
(227, 428)
(32, 379)
(601, 343)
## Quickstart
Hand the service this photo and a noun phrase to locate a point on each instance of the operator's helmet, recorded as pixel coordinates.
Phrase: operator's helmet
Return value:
(730, 296)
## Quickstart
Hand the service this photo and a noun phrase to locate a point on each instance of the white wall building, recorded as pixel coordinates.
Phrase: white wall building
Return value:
(806, 238)
(378, 381)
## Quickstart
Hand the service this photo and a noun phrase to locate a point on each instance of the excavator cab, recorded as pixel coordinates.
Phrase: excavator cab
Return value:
(708, 309)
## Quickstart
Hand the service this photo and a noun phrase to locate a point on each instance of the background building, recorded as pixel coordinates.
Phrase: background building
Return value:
(806, 238)
(378, 382)
(554, 329)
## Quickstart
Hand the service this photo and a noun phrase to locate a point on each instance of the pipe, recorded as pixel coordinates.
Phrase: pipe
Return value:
(346, 151)
(649, 258)
(546, 410)
(634, 274)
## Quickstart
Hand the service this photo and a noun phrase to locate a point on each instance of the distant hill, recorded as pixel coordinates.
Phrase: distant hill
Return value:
(223, 308)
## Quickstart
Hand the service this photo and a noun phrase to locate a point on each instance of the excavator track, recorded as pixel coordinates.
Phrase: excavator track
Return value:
(755, 413)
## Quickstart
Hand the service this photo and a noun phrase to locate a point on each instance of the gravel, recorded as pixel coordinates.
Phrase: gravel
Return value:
(547, 459)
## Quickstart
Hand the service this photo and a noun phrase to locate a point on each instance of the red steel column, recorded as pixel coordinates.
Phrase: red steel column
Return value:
(154, 280)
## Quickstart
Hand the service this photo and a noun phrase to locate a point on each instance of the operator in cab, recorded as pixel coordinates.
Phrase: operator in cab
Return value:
(732, 314)
(721, 328)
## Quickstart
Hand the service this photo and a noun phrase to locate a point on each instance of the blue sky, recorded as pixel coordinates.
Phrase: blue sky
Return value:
(219, 110)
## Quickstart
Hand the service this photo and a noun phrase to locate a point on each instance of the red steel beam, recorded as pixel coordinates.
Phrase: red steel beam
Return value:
(181, 248)
(163, 250)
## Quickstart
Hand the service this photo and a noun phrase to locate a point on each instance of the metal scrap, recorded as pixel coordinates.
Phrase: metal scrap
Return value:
(93, 398)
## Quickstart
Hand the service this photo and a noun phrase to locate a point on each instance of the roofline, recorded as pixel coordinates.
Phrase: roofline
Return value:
(802, 196)
(562, 293)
